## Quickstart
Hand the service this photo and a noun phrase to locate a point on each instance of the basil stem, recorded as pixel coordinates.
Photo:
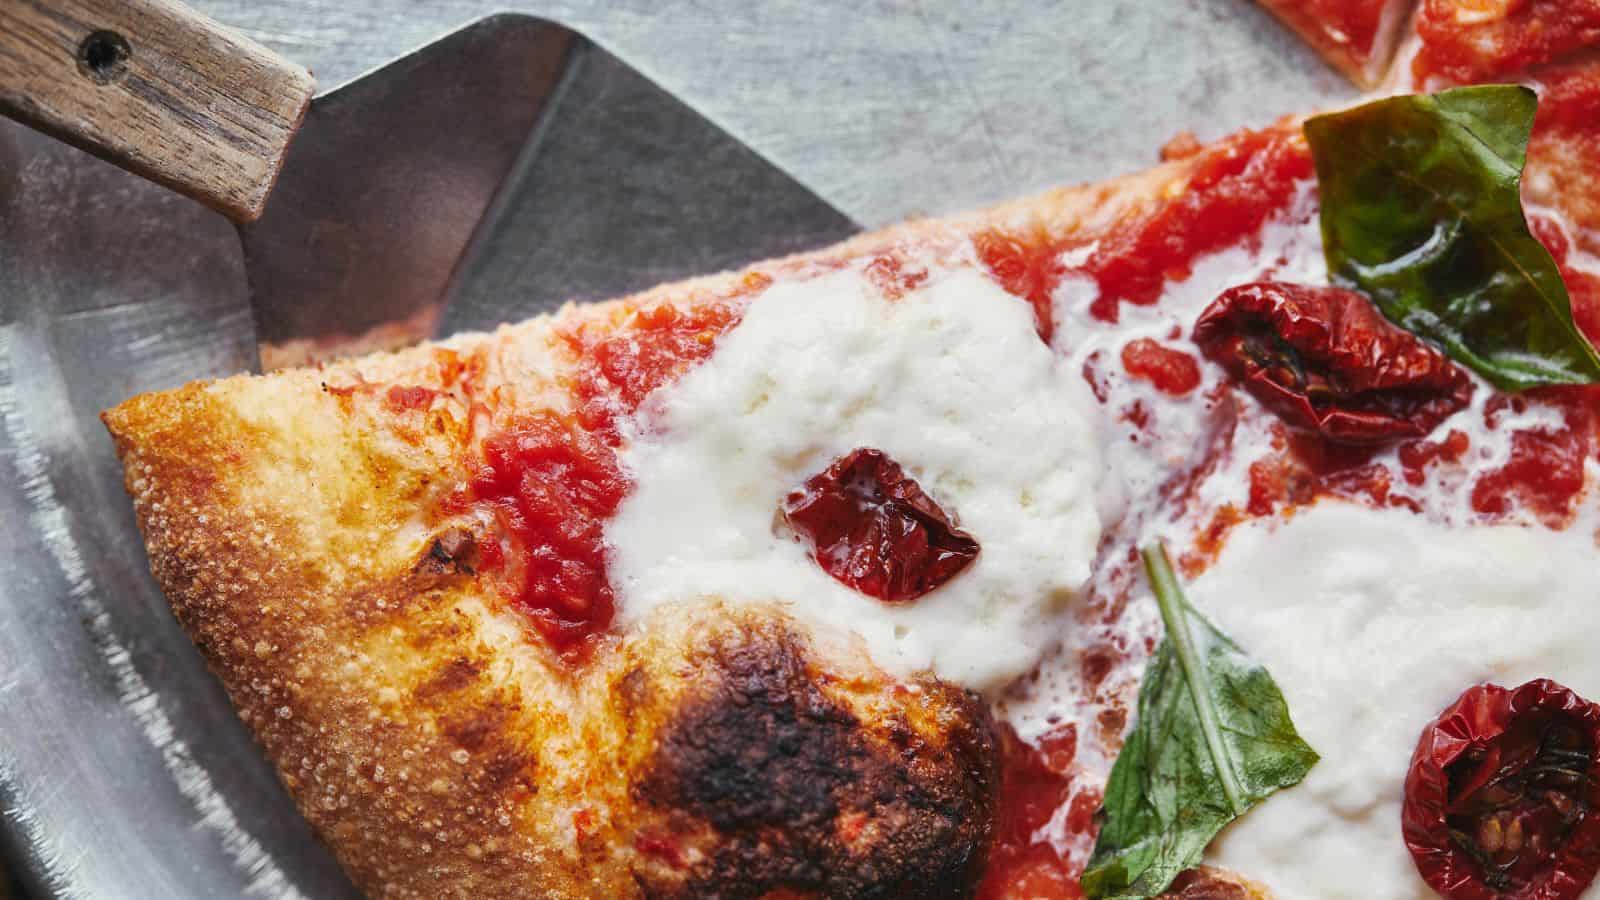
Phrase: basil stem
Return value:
(1212, 739)
(1170, 600)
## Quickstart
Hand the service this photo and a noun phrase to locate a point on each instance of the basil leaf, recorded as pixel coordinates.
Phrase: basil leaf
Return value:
(1421, 210)
(1213, 738)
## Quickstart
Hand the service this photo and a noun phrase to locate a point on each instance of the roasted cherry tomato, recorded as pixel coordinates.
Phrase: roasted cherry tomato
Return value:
(1325, 360)
(873, 528)
(1502, 793)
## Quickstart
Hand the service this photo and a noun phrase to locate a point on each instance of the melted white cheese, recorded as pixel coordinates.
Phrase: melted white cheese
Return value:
(951, 381)
(1372, 622)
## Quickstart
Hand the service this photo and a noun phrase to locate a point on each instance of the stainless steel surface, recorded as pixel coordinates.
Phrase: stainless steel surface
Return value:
(889, 108)
(124, 772)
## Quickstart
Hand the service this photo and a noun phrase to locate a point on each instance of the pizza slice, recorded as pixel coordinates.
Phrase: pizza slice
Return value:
(511, 623)
(1357, 37)
(1035, 552)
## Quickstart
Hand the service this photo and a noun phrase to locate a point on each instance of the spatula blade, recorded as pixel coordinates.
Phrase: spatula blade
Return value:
(503, 170)
(626, 187)
(385, 185)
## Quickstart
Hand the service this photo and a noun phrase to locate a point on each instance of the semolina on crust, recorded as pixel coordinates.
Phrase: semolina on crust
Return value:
(441, 749)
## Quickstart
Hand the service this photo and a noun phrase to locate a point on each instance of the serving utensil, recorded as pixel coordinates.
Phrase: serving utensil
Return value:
(357, 209)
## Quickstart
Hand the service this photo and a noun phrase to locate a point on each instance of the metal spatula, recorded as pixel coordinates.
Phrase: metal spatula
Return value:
(362, 211)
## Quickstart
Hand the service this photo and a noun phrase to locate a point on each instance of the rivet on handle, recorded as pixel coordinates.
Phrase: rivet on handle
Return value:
(158, 89)
(103, 56)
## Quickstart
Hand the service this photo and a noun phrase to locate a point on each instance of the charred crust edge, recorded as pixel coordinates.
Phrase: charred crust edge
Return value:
(768, 784)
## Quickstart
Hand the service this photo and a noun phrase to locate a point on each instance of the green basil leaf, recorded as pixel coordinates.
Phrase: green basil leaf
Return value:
(1212, 739)
(1421, 210)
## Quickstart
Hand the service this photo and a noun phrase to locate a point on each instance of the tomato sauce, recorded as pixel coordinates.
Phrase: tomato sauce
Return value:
(1482, 40)
(552, 485)
(1416, 456)
(1583, 287)
(618, 367)
(401, 397)
(1569, 98)
(895, 275)
(1545, 473)
(1563, 154)
(1027, 266)
(1309, 468)
(1236, 185)
(1036, 781)
(551, 480)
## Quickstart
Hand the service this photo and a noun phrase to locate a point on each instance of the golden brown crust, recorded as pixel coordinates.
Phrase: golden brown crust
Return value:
(441, 750)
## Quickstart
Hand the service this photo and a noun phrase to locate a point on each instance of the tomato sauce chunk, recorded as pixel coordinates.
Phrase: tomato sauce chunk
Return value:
(1500, 799)
(1417, 456)
(552, 486)
(1544, 474)
(1583, 285)
(1324, 360)
(1352, 26)
(1172, 371)
(873, 528)
(1026, 268)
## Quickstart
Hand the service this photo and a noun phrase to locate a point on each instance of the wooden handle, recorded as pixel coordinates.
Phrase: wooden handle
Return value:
(157, 89)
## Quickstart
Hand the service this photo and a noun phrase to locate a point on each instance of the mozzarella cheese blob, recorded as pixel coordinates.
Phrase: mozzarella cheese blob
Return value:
(1372, 622)
(951, 381)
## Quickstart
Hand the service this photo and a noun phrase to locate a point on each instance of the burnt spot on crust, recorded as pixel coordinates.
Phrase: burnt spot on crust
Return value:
(452, 551)
(767, 786)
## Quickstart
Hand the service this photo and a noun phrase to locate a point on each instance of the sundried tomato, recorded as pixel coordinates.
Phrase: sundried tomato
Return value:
(872, 527)
(1325, 360)
(1501, 796)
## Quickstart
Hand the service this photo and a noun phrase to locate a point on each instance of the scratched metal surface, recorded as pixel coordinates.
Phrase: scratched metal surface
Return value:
(890, 108)
(122, 771)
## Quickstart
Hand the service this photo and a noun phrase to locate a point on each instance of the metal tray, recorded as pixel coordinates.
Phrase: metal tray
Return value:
(123, 771)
